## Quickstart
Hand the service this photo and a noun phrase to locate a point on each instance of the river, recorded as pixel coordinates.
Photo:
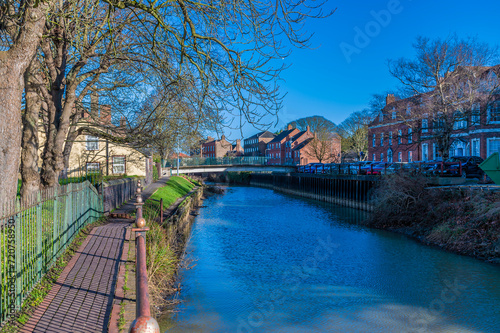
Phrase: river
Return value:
(262, 261)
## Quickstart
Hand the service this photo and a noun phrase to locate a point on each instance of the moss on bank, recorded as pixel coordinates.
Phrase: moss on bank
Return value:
(462, 221)
(165, 243)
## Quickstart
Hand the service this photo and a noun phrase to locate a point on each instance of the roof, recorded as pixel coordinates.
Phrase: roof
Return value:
(265, 134)
(282, 135)
(298, 135)
(303, 144)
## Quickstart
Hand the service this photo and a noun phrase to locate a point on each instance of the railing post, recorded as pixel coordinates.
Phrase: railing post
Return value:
(143, 322)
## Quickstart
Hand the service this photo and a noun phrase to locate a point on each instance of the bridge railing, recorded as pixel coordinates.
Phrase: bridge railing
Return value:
(197, 161)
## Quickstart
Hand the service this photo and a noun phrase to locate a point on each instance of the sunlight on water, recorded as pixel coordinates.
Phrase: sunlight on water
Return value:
(266, 262)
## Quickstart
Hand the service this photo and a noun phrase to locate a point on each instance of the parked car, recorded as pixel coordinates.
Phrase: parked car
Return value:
(317, 167)
(469, 164)
(431, 168)
(364, 167)
(311, 168)
(329, 168)
(376, 168)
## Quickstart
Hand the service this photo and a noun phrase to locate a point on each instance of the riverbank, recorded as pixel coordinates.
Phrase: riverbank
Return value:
(463, 221)
(165, 245)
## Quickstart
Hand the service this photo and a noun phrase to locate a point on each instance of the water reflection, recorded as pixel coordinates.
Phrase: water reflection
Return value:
(267, 262)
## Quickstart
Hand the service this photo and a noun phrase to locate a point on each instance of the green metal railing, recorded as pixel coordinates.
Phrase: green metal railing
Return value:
(195, 161)
(34, 232)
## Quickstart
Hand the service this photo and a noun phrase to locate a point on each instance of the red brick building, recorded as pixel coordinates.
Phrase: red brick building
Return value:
(391, 138)
(256, 145)
(276, 148)
(215, 148)
(294, 147)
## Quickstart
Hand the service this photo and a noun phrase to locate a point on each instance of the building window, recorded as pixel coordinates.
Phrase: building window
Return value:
(408, 110)
(381, 157)
(92, 142)
(93, 167)
(400, 134)
(494, 112)
(382, 139)
(118, 164)
(381, 117)
(410, 135)
(389, 156)
(390, 138)
(393, 114)
(476, 147)
(400, 157)
(425, 125)
(476, 116)
(410, 156)
(374, 140)
(493, 146)
(425, 152)
(374, 158)
(435, 152)
(460, 121)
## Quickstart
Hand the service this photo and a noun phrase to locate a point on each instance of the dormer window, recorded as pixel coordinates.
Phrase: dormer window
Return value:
(393, 113)
(408, 110)
(381, 117)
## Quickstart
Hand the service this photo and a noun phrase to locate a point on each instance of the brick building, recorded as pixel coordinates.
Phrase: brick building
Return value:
(256, 145)
(275, 151)
(295, 147)
(393, 138)
(215, 148)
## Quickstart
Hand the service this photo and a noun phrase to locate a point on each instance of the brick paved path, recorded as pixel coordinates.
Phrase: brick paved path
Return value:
(82, 298)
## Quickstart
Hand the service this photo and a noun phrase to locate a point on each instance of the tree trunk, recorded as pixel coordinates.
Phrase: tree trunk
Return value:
(29, 154)
(11, 87)
(13, 64)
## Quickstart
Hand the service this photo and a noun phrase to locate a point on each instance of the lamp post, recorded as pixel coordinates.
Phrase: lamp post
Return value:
(178, 154)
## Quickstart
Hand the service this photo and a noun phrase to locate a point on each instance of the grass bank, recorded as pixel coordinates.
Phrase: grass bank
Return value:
(462, 221)
(165, 243)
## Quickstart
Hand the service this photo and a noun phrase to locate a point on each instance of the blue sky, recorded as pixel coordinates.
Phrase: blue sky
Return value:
(321, 81)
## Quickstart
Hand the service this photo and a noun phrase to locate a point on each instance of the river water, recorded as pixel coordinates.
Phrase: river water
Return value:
(267, 262)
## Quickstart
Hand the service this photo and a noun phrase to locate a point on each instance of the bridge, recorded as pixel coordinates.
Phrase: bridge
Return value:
(196, 169)
(222, 164)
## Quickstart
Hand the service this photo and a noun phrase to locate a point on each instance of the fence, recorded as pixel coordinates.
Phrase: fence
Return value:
(35, 232)
(240, 160)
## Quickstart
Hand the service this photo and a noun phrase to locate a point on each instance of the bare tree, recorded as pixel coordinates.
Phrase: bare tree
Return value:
(22, 23)
(354, 134)
(451, 83)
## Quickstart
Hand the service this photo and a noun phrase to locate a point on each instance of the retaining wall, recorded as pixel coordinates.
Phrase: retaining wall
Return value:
(350, 191)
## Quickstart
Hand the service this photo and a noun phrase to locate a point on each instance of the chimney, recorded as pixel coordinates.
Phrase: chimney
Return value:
(94, 104)
(123, 122)
(238, 145)
(289, 127)
(308, 128)
(106, 114)
(390, 99)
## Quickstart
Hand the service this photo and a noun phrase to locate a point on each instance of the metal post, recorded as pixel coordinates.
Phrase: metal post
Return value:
(143, 322)
(178, 155)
